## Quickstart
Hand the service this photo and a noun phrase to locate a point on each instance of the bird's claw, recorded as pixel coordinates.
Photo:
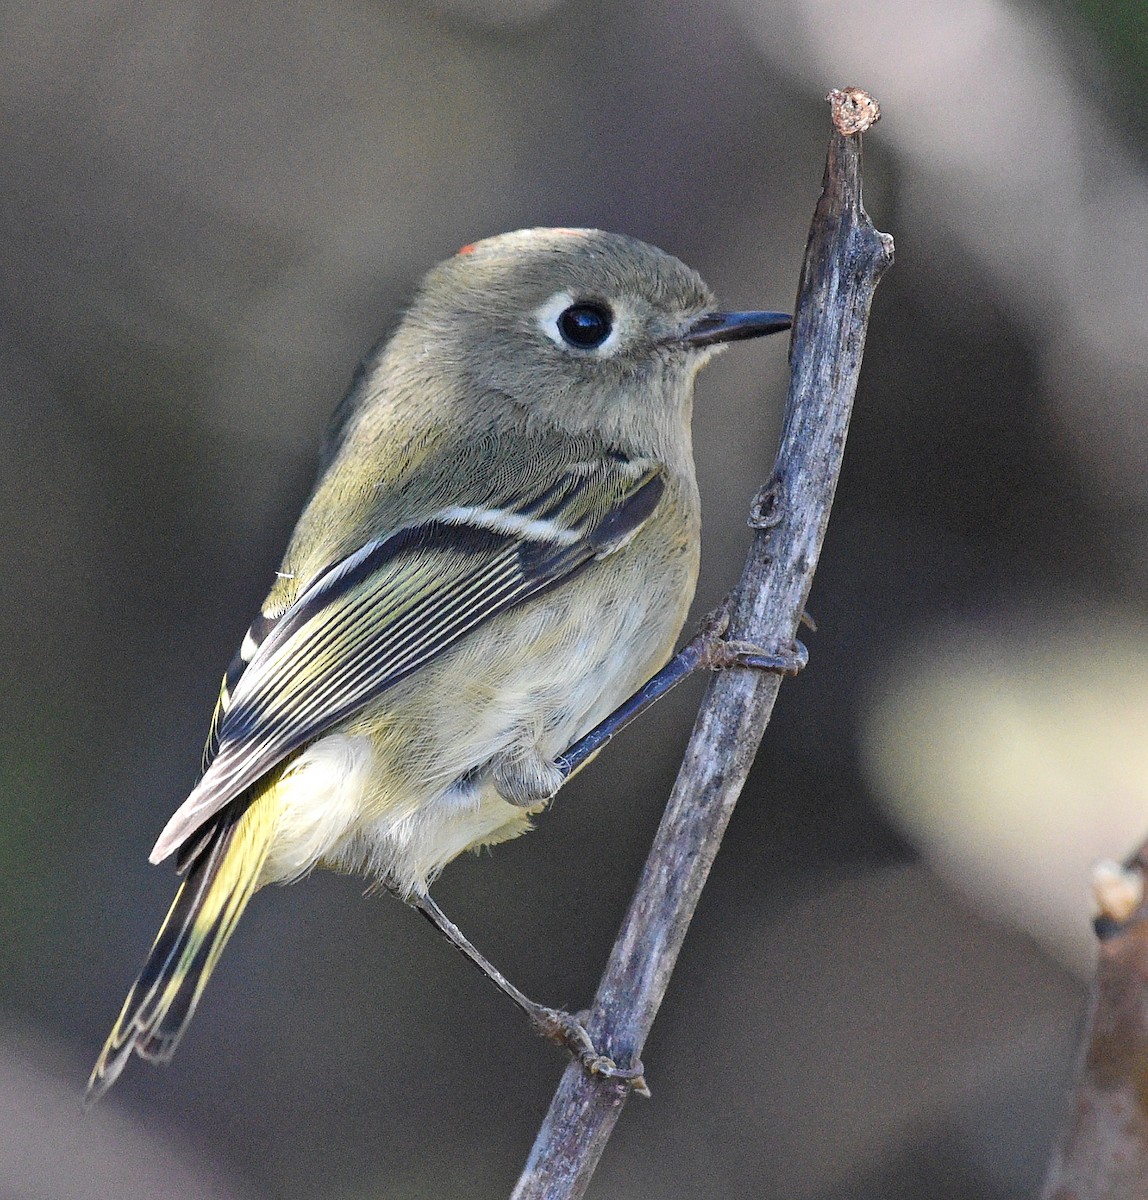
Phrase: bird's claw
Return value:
(720, 652)
(634, 1076)
(569, 1031)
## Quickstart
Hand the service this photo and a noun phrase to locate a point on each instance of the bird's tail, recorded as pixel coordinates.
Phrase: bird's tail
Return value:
(220, 881)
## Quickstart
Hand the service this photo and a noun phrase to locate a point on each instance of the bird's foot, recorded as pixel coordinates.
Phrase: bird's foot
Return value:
(719, 652)
(568, 1030)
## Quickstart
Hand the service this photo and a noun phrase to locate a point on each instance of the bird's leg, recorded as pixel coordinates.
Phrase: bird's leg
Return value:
(708, 649)
(552, 1023)
(525, 778)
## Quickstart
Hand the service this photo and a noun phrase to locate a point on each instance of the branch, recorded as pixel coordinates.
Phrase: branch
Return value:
(1103, 1152)
(844, 260)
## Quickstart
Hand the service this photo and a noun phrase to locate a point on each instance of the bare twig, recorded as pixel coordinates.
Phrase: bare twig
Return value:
(1103, 1153)
(843, 262)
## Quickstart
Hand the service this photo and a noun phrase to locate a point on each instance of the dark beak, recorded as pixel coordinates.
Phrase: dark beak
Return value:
(713, 328)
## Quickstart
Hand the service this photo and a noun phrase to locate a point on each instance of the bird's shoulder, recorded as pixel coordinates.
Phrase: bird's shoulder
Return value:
(376, 488)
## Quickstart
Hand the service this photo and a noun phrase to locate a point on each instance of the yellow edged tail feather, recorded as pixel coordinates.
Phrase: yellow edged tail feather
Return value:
(206, 909)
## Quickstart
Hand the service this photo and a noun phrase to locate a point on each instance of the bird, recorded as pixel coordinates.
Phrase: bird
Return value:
(500, 547)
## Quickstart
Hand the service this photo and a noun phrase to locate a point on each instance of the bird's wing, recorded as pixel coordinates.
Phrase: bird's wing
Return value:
(394, 605)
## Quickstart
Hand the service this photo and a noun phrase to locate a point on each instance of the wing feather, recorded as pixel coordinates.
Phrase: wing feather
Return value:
(386, 610)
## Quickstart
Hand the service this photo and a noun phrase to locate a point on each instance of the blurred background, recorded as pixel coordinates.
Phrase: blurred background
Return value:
(209, 212)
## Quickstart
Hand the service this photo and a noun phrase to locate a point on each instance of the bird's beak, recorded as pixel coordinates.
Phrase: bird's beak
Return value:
(711, 329)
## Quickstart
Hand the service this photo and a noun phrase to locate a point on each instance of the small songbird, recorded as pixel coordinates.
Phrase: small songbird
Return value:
(500, 547)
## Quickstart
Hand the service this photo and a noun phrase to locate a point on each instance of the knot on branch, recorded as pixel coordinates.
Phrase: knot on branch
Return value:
(852, 110)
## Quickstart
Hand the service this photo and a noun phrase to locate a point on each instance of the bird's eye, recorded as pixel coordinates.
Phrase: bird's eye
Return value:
(585, 326)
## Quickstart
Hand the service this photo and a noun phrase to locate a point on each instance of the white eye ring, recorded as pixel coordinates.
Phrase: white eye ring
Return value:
(548, 314)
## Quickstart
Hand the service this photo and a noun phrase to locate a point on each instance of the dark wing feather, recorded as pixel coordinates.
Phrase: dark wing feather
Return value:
(394, 605)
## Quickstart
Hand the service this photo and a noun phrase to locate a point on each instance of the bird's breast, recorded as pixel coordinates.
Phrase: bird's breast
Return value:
(522, 687)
